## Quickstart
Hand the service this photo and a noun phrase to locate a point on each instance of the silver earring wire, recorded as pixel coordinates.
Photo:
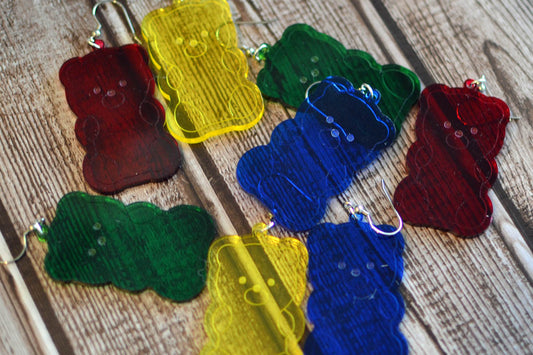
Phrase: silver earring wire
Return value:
(360, 209)
(98, 32)
(37, 227)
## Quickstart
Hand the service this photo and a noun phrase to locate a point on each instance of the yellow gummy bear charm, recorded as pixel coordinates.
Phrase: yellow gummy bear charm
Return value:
(256, 284)
(200, 71)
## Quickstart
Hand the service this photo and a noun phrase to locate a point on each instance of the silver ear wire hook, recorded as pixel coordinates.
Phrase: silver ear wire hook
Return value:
(367, 90)
(39, 228)
(263, 228)
(271, 222)
(98, 32)
(360, 209)
(481, 85)
(310, 87)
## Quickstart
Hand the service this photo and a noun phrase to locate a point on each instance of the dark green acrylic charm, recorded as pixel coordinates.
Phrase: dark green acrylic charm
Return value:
(303, 56)
(99, 240)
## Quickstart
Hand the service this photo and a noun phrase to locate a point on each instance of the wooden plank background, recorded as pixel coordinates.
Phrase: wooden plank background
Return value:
(462, 296)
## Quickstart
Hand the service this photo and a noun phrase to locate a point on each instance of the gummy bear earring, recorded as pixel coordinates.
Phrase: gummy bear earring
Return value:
(256, 284)
(98, 240)
(201, 72)
(356, 269)
(304, 55)
(451, 165)
(119, 122)
(337, 131)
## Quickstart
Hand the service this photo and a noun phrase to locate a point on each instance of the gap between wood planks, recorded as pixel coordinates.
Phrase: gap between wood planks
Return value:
(38, 327)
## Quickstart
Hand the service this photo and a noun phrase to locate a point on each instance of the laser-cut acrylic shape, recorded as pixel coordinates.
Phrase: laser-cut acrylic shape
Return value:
(355, 305)
(200, 70)
(120, 123)
(98, 240)
(256, 285)
(314, 156)
(451, 165)
(304, 55)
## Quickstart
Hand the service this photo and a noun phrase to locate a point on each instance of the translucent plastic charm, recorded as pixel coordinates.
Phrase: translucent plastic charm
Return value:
(98, 240)
(256, 284)
(120, 123)
(451, 165)
(200, 70)
(303, 56)
(314, 156)
(355, 305)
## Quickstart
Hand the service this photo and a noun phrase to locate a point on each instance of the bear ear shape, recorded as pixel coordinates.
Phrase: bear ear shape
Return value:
(69, 73)
(399, 81)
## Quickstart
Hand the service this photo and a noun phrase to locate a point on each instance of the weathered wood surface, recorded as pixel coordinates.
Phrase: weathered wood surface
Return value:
(462, 296)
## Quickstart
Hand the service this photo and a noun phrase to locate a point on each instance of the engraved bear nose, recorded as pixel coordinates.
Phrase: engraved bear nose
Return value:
(255, 295)
(113, 99)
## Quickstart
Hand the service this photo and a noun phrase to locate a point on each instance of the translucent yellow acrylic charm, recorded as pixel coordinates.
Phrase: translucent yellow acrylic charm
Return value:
(256, 283)
(201, 72)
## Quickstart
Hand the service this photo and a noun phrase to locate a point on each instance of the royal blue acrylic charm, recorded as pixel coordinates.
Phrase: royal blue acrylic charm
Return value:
(337, 130)
(355, 306)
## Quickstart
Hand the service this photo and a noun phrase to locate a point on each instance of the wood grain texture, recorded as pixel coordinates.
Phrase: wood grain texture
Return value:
(462, 296)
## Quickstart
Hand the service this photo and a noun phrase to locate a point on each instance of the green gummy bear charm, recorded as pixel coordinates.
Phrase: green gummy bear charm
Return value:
(303, 56)
(99, 240)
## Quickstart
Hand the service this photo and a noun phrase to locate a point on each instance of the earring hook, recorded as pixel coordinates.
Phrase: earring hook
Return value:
(40, 228)
(360, 209)
(262, 227)
(310, 87)
(98, 32)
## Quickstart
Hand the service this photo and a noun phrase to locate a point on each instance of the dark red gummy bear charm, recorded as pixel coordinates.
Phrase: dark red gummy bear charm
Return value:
(120, 123)
(451, 165)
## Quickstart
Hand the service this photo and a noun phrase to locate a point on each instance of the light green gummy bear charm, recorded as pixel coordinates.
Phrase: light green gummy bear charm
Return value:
(99, 240)
(256, 284)
(200, 71)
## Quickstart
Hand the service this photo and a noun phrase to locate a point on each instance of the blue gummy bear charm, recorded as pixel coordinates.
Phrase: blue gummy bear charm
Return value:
(355, 305)
(336, 131)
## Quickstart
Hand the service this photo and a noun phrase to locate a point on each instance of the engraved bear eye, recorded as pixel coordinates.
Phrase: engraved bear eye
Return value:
(122, 83)
(242, 280)
(97, 90)
(335, 132)
(473, 130)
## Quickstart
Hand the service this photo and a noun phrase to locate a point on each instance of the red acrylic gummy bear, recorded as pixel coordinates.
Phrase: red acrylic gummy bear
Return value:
(451, 165)
(120, 123)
